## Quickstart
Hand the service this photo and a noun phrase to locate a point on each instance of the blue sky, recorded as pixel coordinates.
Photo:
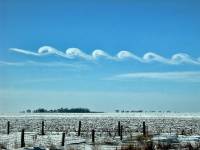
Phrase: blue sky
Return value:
(104, 55)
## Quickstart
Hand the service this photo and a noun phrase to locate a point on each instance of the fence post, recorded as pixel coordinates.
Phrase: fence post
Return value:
(42, 131)
(93, 135)
(182, 132)
(147, 130)
(144, 129)
(22, 138)
(8, 127)
(79, 128)
(119, 126)
(121, 135)
(63, 139)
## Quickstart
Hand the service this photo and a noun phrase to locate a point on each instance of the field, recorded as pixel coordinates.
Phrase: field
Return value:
(146, 130)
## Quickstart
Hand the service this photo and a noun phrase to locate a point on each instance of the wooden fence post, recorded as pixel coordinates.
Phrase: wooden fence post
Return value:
(144, 129)
(79, 128)
(119, 127)
(63, 139)
(147, 130)
(93, 136)
(8, 127)
(42, 131)
(22, 138)
(121, 135)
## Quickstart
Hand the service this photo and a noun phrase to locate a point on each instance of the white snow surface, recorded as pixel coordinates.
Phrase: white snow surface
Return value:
(164, 126)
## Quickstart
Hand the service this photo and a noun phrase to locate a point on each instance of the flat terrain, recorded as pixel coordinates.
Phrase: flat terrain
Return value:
(182, 128)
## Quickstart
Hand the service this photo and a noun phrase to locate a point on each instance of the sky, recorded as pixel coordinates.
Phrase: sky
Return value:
(102, 55)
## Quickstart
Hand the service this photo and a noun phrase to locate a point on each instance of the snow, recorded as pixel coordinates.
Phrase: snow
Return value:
(163, 127)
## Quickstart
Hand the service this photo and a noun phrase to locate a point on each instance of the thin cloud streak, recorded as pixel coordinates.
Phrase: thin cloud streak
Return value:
(6, 63)
(44, 64)
(24, 51)
(73, 53)
(193, 76)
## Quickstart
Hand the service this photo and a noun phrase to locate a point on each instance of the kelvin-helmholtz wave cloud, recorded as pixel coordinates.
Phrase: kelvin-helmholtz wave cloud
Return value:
(74, 53)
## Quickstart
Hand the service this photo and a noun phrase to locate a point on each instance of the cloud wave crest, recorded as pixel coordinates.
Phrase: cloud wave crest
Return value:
(74, 53)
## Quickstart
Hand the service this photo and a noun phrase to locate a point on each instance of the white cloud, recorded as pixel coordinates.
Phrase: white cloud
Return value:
(183, 58)
(45, 64)
(5, 63)
(24, 51)
(73, 53)
(175, 76)
(126, 54)
(100, 53)
(47, 50)
(148, 57)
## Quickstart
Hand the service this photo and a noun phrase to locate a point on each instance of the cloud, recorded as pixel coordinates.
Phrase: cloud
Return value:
(174, 76)
(46, 64)
(47, 50)
(74, 53)
(24, 51)
(128, 55)
(148, 57)
(100, 53)
(184, 58)
(5, 63)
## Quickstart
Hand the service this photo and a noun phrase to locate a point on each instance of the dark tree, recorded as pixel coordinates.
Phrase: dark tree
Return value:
(28, 111)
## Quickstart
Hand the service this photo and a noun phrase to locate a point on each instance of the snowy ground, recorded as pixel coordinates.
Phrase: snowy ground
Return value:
(163, 127)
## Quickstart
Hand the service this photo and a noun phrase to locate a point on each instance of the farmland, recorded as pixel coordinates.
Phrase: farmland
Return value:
(110, 130)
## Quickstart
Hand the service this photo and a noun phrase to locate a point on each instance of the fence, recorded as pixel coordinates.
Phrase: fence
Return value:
(15, 136)
(46, 138)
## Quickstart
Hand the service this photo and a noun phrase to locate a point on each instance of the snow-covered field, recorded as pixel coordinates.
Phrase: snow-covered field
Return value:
(162, 126)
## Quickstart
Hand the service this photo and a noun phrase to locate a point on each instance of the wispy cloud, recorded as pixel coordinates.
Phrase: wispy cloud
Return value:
(43, 80)
(6, 63)
(45, 64)
(73, 53)
(193, 76)
(24, 51)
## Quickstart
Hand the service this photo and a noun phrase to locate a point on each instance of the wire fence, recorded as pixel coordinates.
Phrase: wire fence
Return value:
(49, 133)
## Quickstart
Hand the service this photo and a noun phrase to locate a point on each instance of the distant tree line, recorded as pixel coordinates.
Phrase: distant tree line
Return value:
(138, 111)
(60, 110)
(127, 111)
